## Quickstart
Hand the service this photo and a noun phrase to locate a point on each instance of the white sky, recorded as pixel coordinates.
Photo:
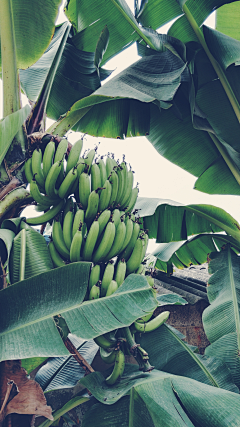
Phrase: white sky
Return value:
(157, 176)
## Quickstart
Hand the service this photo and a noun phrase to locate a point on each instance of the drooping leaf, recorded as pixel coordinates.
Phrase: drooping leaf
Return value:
(65, 372)
(27, 309)
(6, 239)
(166, 400)
(222, 319)
(12, 224)
(225, 49)
(170, 299)
(101, 46)
(33, 28)
(9, 126)
(31, 363)
(37, 255)
(169, 353)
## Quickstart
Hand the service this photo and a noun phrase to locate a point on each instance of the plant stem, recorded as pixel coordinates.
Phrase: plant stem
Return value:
(22, 255)
(11, 92)
(60, 128)
(233, 168)
(77, 356)
(222, 77)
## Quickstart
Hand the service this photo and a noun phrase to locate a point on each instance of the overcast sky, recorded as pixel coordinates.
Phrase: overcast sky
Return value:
(157, 176)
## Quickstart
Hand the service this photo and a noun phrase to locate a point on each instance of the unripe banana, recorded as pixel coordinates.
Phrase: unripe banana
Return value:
(84, 189)
(120, 272)
(107, 241)
(124, 173)
(51, 179)
(91, 241)
(103, 220)
(136, 257)
(75, 248)
(145, 318)
(57, 236)
(141, 269)
(89, 159)
(118, 368)
(153, 324)
(150, 280)
(69, 205)
(145, 244)
(79, 217)
(94, 292)
(103, 342)
(113, 287)
(56, 258)
(105, 196)
(67, 228)
(67, 183)
(103, 171)
(46, 201)
(109, 166)
(74, 155)
(113, 179)
(126, 253)
(96, 181)
(37, 168)
(108, 357)
(47, 216)
(120, 174)
(48, 158)
(128, 190)
(28, 170)
(92, 207)
(133, 199)
(118, 241)
(128, 235)
(60, 156)
(94, 276)
(81, 167)
(116, 217)
(107, 278)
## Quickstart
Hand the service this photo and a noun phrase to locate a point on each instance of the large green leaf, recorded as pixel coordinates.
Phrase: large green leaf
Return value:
(33, 28)
(169, 221)
(37, 259)
(27, 308)
(169, 353)
(222, 318)
(6, 239)
(160, 399)
(227, 19)
(9, 126)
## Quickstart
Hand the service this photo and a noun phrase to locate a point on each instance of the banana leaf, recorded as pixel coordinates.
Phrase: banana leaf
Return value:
(27, 328)
(169, 353)
(159, 399)
(6, 239)
(221, 319)
(37, 259)
(32, 363)
(65, 372)
(170, 299)
(227, 18)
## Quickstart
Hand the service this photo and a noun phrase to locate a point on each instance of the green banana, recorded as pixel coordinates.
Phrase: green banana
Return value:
(113, 287)
(96, 181)
(79, 217)
(57, 236)
(84, 189)
(126, 253)
(75, 248)
(136, 257)
(37, 168)
(60, 156)
(47, 216)
(81, 167)
(107, 277)
(108, 357)
(120, 272)
(145, 318)
(116, 215)
(128, 191)
(92, 207)
(69, 205)
(67, 228)
(48, 158)
(103, 171)
(113, 179)
(94, 292)
(120, 174)
(94, 276)
(118, 240)
(28, 170)
(118, 368)
(128, 235)
(141, 269)
(106, 242)
(74, 155)
(152, 324)
(133, 199)
(105, 196)
(150, 280)
(51, 179)
(89, 159)
(124, 172)
(40, 198)
(109, 165)
(91, 241)
(103, 342)
(103, 220)
(67, 183)
(145, 244)
(56, 258)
